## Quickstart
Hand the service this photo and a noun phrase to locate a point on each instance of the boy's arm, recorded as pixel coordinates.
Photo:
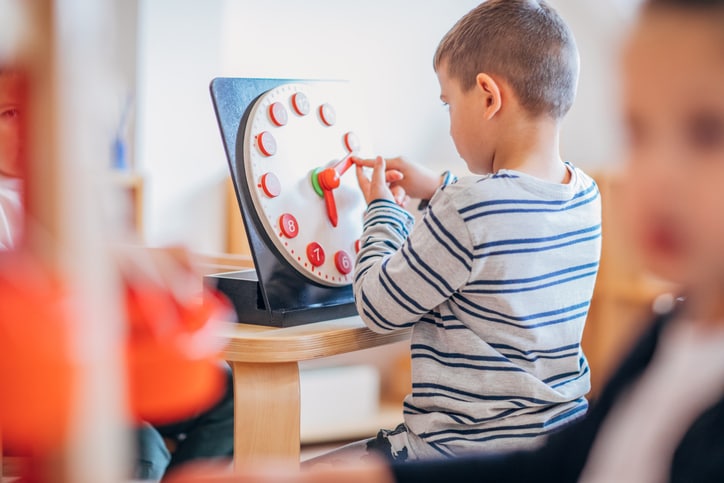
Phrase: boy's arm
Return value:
(400, 276)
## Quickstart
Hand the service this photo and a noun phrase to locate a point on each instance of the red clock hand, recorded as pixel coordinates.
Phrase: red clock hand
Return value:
(343, 165)
(329, 180)
(331, 206)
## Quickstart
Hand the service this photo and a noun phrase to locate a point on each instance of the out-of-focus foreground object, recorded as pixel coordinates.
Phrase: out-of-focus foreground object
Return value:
(85, 351)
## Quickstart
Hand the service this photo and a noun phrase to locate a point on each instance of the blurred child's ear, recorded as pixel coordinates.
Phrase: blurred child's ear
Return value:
(489, 91)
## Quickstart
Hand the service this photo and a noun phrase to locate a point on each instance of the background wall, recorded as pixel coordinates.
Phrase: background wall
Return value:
(384, 47)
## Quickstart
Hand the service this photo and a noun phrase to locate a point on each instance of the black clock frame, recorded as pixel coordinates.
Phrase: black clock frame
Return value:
(273, 293)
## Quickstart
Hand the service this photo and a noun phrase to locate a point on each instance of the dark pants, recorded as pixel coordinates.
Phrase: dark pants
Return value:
(208, 435)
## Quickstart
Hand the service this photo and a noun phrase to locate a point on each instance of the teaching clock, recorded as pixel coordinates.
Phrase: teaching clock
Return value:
(289, 145)
(297, 155)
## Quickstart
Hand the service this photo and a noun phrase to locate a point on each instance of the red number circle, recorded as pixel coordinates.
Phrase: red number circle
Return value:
(300, 103)
(351, 142)
(315, 254)
(288, 225)
(327, 114)
(270, 185)
(278, 114)
(266, 143)
(343, 262)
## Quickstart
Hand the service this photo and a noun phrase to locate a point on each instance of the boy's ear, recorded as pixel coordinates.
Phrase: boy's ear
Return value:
(489, 91)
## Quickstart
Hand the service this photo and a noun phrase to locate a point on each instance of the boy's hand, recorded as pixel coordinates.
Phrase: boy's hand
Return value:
(379, 186)
(416, 181)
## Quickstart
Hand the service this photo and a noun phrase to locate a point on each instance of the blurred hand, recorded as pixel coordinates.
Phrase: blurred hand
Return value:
(372, 470)
(170, 268)
(416, 181)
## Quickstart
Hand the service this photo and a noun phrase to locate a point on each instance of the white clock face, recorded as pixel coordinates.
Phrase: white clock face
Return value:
(293, 133)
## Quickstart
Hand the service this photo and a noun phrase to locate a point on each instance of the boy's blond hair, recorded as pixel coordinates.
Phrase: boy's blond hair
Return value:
(526, 43)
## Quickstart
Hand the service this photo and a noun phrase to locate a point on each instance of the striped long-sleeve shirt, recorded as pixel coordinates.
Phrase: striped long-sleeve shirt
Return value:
(495, 281)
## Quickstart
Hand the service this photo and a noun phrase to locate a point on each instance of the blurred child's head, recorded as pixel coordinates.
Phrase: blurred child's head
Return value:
(520, 50)
(673, 94)
(10, 125)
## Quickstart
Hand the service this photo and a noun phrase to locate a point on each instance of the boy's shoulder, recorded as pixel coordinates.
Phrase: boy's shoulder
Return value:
(508, 186)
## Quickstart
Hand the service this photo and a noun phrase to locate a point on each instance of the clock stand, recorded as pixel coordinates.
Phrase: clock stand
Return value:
(274, 293)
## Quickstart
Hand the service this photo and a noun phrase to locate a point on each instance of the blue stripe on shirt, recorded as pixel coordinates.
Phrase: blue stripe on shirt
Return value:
(531, 210)
(470, 396)
(529, 317)
(520, 241)
(519, 201)
(465, 418)
(440, 227)
(447, 289)
(464, 365)
(539, 249)
(561, 320)
(407, 254)
(570, 350)
(537, 278)
(375, 315)
(409, 303)
(534, 287)
(457, 355)
(497, 429)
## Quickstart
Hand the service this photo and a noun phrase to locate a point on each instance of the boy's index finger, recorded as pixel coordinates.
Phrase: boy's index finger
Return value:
(378, 175)
(364, 183)
(367, 163)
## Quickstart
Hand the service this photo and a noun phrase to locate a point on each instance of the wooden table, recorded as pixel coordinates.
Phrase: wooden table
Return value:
(265, 364)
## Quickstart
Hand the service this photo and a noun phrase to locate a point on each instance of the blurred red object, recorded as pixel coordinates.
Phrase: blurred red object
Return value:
(173, 355)
(36, 371)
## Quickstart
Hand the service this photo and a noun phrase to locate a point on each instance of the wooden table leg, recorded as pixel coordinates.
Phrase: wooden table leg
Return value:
(266, 411)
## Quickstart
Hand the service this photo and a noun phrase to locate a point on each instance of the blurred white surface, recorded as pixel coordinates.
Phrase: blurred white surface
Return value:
(338, 401)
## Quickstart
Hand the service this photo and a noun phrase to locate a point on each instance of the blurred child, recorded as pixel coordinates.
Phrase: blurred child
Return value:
(10, 143)
(208, 433)
(660, 417)
(497, 277)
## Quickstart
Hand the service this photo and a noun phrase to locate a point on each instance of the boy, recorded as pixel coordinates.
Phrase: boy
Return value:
(497, 278)
(661, 414)
(636, 432)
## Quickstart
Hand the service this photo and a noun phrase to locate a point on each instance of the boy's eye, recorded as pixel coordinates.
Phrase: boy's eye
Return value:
(706, 131)
(11, 113)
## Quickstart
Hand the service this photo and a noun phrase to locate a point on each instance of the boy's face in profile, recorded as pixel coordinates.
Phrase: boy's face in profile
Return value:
(10, 125)
(466, 115)
(674, 108)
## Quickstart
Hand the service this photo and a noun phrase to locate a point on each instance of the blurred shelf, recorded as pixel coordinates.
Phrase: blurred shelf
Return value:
(131, 184)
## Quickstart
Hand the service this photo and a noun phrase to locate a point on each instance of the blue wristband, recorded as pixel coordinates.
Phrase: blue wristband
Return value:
(445, 179)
